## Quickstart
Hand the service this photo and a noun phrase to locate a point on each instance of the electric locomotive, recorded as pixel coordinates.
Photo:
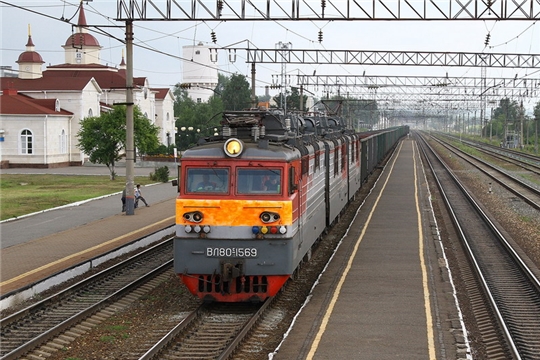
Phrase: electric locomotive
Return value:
(247, 213)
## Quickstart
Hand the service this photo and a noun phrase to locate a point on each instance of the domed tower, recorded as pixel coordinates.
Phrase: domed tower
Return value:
(199, 71)
(30, 61)
(82, 47)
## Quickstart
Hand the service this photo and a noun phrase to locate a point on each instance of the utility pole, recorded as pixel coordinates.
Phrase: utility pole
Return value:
(521, 113)
(130, 146)
(284, 47)
(253, 96)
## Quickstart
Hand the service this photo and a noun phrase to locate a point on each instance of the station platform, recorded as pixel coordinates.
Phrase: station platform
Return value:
(386, 293)
(42, 244)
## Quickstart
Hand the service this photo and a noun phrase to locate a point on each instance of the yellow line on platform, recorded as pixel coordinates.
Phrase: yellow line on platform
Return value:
(41, 268)
(427, 305)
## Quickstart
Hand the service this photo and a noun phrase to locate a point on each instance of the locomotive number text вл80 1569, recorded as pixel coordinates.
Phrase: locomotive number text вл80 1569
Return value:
(231, 252)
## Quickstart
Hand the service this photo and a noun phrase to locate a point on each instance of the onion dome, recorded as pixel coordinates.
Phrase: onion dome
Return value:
(30, 56)
(82, 38)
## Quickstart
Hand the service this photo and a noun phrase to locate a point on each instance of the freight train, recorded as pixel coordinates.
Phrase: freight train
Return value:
(254, 199)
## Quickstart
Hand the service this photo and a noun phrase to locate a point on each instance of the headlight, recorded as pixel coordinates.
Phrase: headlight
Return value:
(233, 147)
(195, 216)
(268, 217)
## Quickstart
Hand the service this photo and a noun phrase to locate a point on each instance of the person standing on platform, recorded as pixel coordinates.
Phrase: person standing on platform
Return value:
(138, 196)
(124, 200)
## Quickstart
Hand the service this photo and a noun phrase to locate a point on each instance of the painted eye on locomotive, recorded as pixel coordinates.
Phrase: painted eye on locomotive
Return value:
(195, 216)
(269, 217)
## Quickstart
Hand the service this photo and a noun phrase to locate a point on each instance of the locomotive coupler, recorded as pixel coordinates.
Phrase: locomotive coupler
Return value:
(231, 271)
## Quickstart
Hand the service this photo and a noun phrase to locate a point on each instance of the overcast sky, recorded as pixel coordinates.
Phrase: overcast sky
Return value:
(163, 67)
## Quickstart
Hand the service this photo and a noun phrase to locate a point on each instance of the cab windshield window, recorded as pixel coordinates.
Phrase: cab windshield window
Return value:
(207, 180)
(259, 181)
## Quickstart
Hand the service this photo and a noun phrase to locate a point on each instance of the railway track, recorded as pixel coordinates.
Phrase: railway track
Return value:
(520, 159)
(510, 324)
(528, 193)
(71, 310)
(211, 332)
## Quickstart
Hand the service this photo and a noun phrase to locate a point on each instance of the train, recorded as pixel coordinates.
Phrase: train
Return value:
(254, 198)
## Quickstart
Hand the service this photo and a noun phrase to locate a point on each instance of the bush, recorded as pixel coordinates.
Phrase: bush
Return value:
(161, 149)
(161, 174)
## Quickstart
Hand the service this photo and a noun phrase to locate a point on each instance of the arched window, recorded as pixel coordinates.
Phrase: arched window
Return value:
(27, 143)
(63, 142)
(90, 112)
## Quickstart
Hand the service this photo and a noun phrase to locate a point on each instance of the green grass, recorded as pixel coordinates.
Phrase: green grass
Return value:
(22, 194)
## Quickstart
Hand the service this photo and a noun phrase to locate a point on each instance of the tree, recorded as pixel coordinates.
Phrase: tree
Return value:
(236, 94)
(222, 83)
(505, 117)
(103, 137)
(292, 99)
(191, 115)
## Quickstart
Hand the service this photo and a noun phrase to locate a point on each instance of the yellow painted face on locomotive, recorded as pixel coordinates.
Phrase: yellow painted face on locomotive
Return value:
(229, 212)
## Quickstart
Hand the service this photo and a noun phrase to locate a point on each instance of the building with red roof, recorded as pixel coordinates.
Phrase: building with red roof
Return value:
(81, 87)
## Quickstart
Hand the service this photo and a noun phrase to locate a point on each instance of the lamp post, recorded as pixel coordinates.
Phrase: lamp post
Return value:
(188, 134)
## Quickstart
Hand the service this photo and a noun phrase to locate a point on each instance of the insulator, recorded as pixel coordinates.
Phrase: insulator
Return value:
(487, 39)
(232, 55)
(320, 36)
(323, 4)
(226, 130)
(288, 124)
(262, 131)
(213, 35)
(213, 55)
(255, 132)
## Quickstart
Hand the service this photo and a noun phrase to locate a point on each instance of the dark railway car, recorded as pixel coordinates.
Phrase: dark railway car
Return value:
(253, 200)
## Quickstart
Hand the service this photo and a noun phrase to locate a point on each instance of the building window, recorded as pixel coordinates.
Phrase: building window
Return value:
(27, 145)
(199, 100)
(63, 142)
(90, 112)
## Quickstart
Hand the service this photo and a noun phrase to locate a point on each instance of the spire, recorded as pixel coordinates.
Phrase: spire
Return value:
(30, 44)
(82, 17)
(122, 63)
